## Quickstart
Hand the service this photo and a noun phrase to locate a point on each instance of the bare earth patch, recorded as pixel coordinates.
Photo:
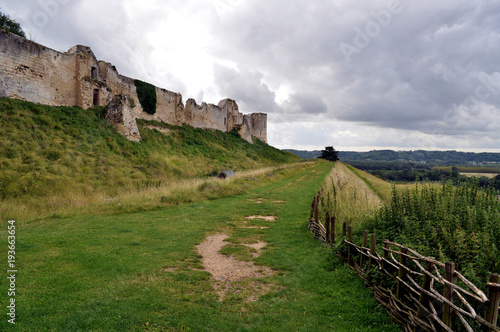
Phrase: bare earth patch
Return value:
(256, 200)
(226, 270)
(266, 218)
(255, 227)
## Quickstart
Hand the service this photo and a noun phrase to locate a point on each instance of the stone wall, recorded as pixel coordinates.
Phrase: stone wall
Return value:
(259, 125)
(33, 72)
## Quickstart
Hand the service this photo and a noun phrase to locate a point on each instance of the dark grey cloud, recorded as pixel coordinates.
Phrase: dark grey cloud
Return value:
(246, 87)
(416, 66)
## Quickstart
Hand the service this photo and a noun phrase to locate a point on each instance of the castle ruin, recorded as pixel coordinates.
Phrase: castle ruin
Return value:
(32, 72)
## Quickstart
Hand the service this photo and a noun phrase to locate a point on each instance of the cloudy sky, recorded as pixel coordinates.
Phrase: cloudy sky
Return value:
(358, 75)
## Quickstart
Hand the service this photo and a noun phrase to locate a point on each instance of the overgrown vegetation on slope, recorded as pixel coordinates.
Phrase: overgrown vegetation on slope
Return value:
(452, 223)
(459, 224)
(62, 152)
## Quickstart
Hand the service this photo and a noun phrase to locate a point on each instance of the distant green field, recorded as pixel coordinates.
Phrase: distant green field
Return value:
(472, 169)
(471, 174)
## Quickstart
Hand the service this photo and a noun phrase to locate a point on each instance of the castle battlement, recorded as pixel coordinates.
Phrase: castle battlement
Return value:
(33, 72)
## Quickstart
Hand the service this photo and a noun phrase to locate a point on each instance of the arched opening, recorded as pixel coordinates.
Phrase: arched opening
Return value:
(93, 73)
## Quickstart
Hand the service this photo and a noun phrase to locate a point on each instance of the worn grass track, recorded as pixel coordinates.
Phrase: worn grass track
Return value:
(142, 271)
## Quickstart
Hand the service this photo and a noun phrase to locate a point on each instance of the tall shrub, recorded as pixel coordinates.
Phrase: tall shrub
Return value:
(147, 96)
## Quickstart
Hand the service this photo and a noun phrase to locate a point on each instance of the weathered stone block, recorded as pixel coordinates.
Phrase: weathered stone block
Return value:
(122, 117)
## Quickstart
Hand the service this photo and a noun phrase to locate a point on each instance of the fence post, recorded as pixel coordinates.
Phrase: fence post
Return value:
(363, 245)
(491, 315)
(327, 227)
(349, 250)
(373, 242)
(385, 255)
(344, 229)
(332, 229)
(316, 210)
(449, 271)
(426, 284)
(401, 273)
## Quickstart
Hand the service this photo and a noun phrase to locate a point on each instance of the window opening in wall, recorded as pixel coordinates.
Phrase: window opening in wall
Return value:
(93, 73)
(96, 97)
(224, 121)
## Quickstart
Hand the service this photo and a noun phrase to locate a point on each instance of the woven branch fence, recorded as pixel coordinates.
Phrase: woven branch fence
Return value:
(419, 293)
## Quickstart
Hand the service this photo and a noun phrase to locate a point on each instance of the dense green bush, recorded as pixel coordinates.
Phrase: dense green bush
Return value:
(459, 224)
(147, 96)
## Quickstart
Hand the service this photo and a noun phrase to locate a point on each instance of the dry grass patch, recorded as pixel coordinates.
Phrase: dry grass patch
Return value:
(256, 200)
(347, 197)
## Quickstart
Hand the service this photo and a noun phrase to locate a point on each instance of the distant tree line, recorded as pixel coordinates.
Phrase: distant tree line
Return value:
(400, 171)
(436, 158)
(422, 156)
(419, 165)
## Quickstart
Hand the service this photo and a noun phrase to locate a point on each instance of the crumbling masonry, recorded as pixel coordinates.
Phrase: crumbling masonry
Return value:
(33, 72)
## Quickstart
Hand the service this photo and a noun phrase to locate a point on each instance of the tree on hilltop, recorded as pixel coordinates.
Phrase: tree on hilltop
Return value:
(8, 24)
(329, 154)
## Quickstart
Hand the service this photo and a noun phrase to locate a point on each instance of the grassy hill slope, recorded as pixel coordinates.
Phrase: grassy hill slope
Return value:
(56, 151)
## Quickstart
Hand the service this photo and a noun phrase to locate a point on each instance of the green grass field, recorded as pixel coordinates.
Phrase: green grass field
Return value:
(141, 271)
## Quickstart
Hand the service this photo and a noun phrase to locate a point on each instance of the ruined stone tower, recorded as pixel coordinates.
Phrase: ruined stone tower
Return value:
(33, 72)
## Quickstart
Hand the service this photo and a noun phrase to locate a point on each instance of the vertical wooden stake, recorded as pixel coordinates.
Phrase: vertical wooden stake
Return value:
(385, 255)
(332, 230)
(426, 284)
(344, 229)
(327, 227)
(349, 238)
(401, 273)
(363, 245)
(313, 204)
(449, 271)
(373, 242)
(316, 210)
(494, 296)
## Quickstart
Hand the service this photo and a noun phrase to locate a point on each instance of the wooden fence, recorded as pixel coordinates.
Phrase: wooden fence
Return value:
(420, 293)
